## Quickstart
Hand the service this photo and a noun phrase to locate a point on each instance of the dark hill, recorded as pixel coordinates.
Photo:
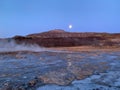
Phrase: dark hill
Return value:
(61, 38)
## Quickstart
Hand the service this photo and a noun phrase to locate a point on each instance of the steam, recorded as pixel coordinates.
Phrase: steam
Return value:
(11, 46)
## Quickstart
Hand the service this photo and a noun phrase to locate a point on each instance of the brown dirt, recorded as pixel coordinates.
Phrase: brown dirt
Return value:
(85, 48)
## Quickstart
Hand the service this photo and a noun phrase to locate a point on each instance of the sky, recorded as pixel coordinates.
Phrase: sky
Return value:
(23, 17)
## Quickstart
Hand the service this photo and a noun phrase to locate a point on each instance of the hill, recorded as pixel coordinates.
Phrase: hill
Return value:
(61, 38)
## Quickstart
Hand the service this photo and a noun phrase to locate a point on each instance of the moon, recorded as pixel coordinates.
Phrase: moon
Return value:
(70, 26)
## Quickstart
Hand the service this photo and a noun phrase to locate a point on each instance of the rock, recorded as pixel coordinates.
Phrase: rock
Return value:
(58, 77)
(32, 83)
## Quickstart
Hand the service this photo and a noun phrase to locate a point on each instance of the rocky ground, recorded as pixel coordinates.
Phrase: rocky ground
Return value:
(60, 70)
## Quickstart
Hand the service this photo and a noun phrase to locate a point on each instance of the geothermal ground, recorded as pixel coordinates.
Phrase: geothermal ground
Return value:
(60, 70)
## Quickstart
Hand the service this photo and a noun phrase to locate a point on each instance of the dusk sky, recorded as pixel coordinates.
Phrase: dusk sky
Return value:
(22, 17)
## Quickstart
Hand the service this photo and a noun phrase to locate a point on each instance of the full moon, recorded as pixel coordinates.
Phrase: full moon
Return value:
(70, 26)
